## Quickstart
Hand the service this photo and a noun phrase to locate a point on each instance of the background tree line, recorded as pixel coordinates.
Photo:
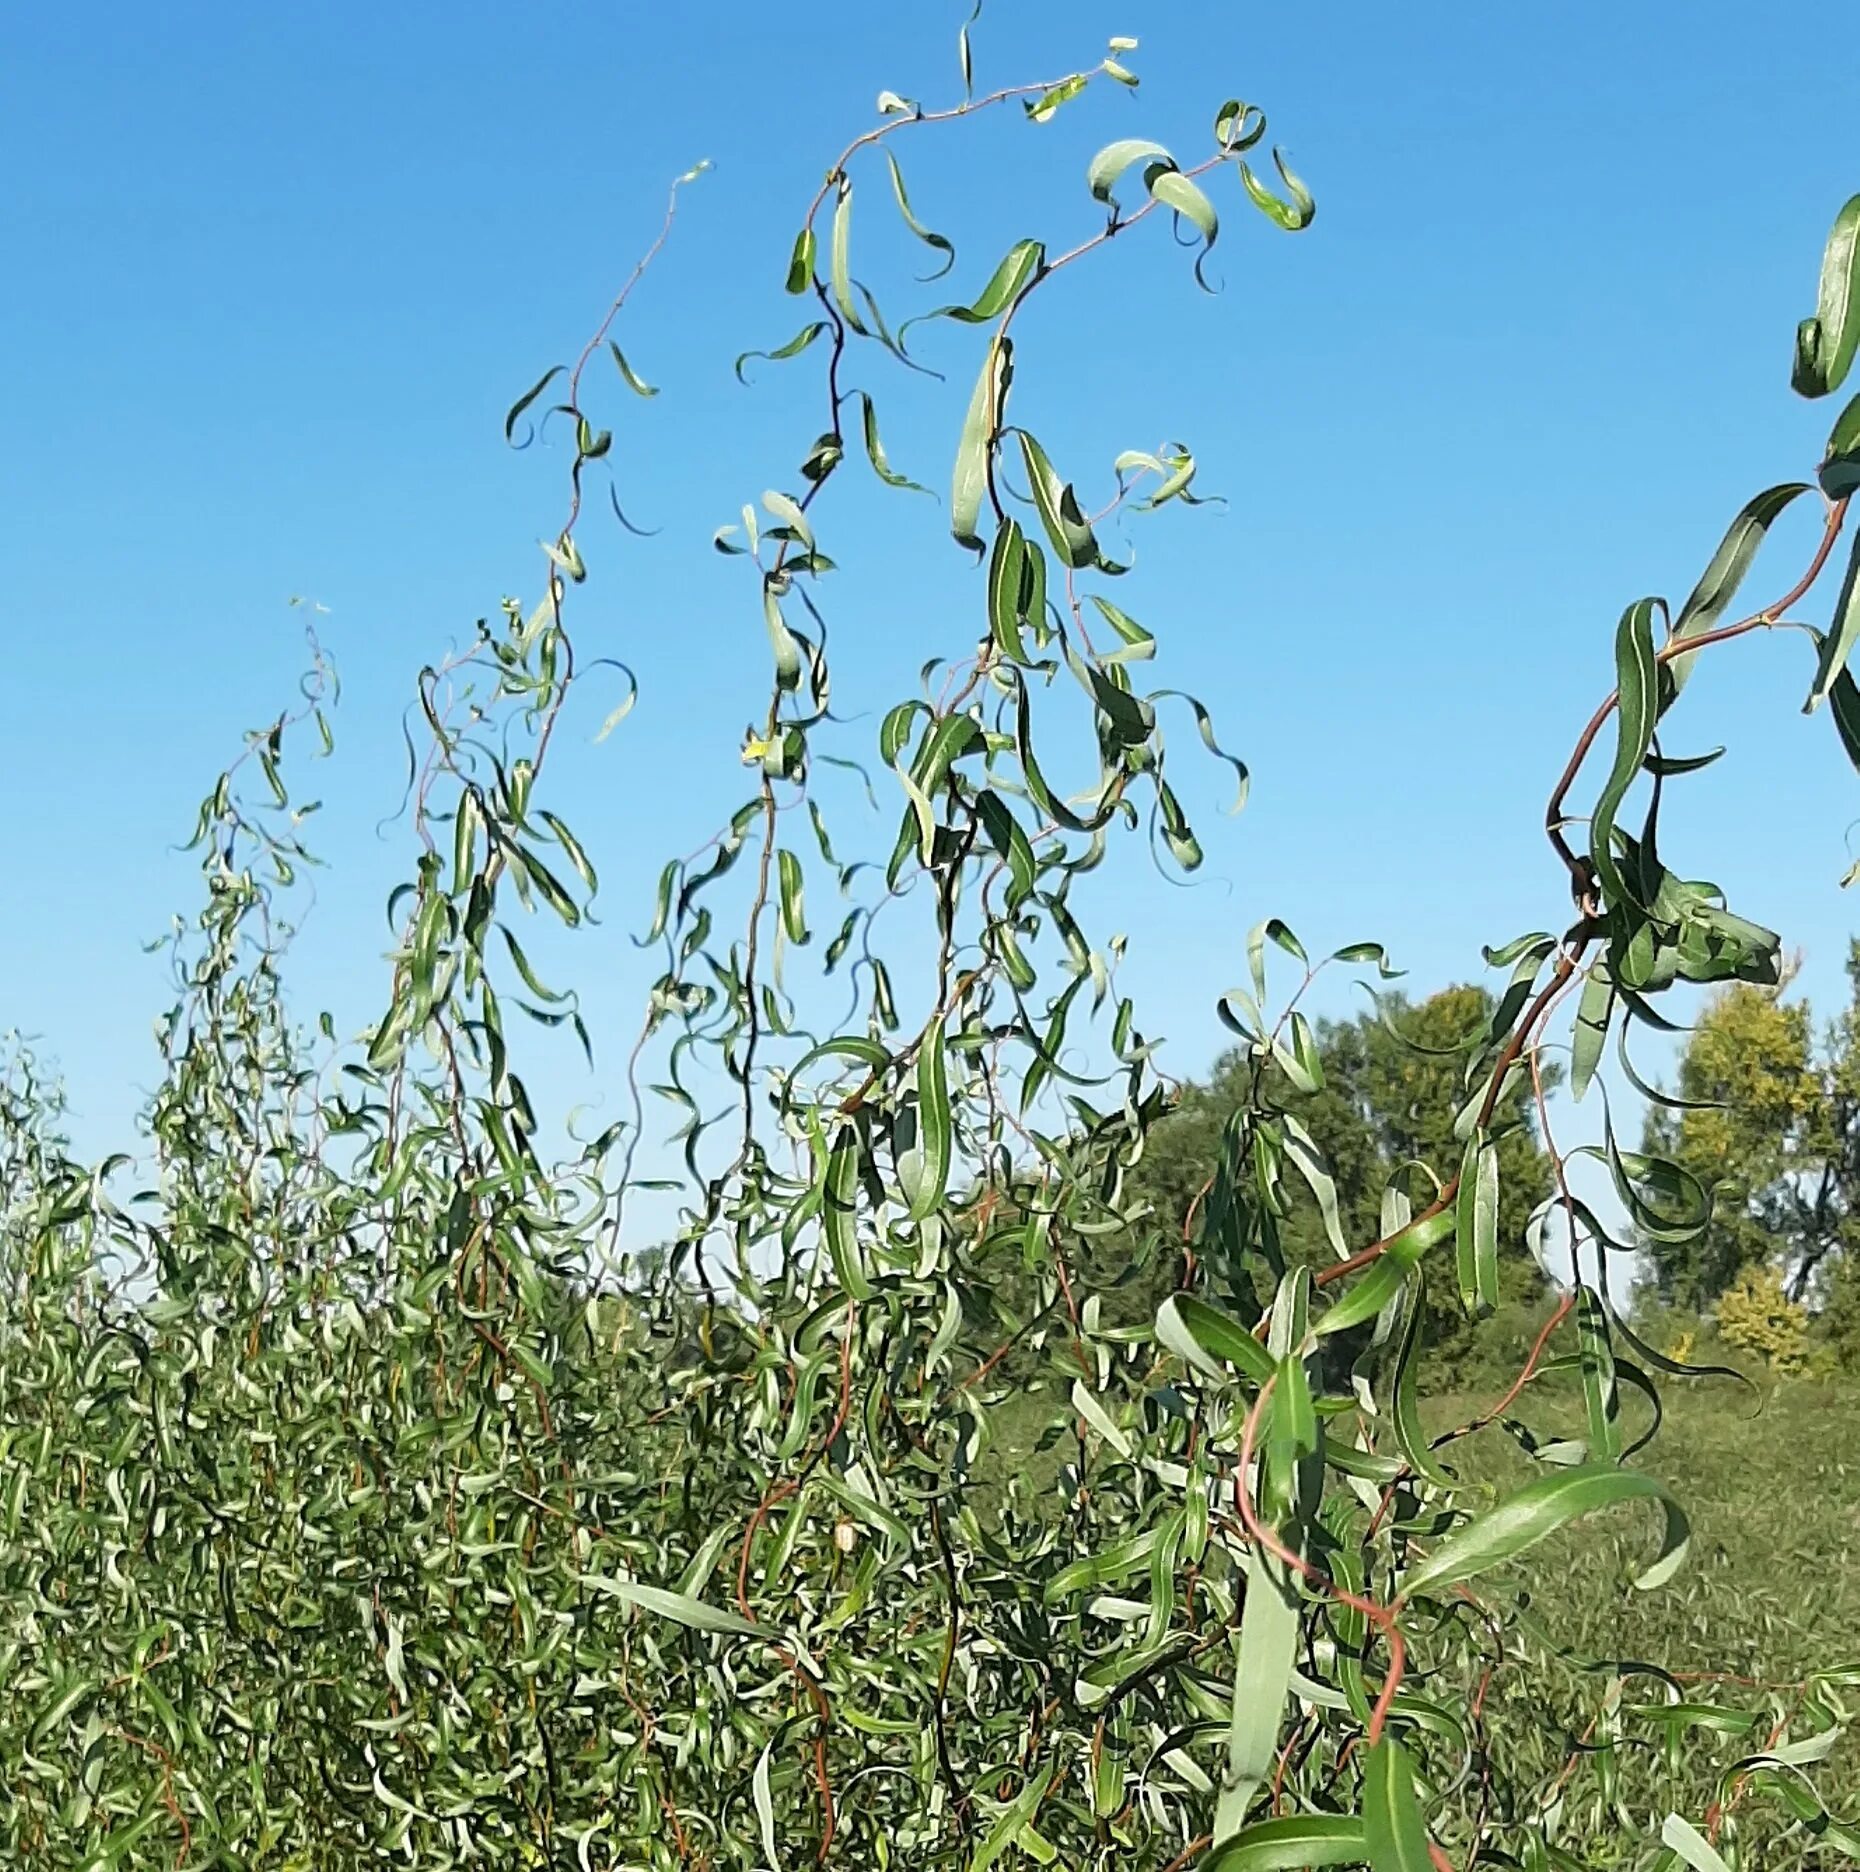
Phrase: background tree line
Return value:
(1768, 1119)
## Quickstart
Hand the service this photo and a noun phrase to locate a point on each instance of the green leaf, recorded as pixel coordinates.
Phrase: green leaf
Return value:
(1010, 840)
(1405, 1408)
(1238, 126)
(1014, 1820)
(875, 452)
(1102, 175)
(793, 906)
(935, 1123)
(1269, 1631)
(929, 239)
(1682, 1837)
(1704, 610)
(839, 1214)
(1839, 474)
(1537, 1511)
(1384, 1279)
(801, 262)
(793, 348)
(1024, 262)
(1058, 507)
(1309, 1161)
(1844, 629)
(1291, 1426)
(1203, 1337)
(1042, 108)
(1185, 198)
(1476, 1226)
(1291, 1844)
(1590, 1033)
(1392, 1821)
(1601, 1396)
(628, 375)
(681, 1608)
(1825, 343)
(787, 512)
(1844, 706)
(839, 256)
(1100, 1420)
(782, 641)
(1299, 212)
(1634, 721)
(765, 1808)
(527, 398)
(973, 450)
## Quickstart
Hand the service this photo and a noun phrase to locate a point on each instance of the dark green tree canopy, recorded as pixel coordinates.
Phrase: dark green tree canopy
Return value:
(1770, 1122)
(1389, 1088)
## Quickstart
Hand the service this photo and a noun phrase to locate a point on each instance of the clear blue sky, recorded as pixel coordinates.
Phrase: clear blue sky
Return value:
(274, 274)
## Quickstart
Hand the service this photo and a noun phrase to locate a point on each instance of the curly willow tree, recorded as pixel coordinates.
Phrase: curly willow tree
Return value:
(368, 1496)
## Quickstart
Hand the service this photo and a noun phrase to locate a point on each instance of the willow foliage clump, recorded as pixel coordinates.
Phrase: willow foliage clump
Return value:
(370, 1496)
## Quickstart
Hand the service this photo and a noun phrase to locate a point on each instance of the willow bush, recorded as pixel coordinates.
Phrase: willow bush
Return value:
(372, 1495)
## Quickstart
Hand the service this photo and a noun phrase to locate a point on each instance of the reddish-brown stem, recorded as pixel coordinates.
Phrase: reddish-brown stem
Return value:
(776, 1495)
(1671, 649)
(1193, 1850)
(1382, 1617)
(1566, 965)
(1524, 1377)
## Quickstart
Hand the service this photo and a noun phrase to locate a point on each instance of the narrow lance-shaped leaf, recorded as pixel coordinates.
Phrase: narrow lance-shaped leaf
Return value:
(1185, 197)
(1309, 1161)
(1718, 584)
(935, 1123)
(1843, 631)
(1537, 1511)
(801, 263)
(840, 1214)
(628, 375)
(875, 451)
(1590, 1033)
(1065, 523)
(1101, 177)
(839, 256)
(1682, 1837)
(1392, 1822)
(1019, 268)
(1476, 1226)
(681, 1608)
(1373, 1290)
(1203, 1336)
(930, 239)
(1297, 213)
(969, 484)
(1405, 1403)
(1601, 1396)
(793, 348)
(1839, 473)
(1634, 718)
(1825, 343)
(1015, 1818)
(527, 398)
(793, 899)
(1042, 108)
(1290, 1844)
(1269, 1627)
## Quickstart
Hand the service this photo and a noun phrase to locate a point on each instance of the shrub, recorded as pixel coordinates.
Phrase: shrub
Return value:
(1755, 1314)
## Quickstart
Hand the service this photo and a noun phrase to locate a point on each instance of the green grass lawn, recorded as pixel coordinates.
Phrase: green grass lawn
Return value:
(1770, 1593)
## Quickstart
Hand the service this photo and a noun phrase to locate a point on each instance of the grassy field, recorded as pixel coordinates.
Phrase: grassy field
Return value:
(1770, 1595)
